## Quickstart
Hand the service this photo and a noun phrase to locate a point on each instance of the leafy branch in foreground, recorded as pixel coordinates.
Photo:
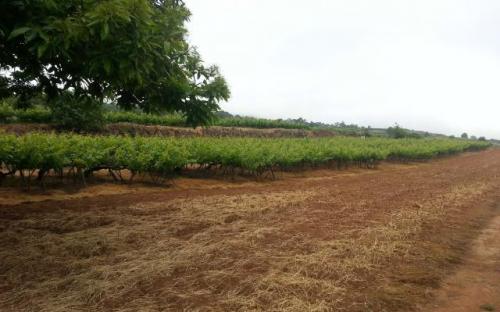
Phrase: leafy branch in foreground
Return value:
(132, 52)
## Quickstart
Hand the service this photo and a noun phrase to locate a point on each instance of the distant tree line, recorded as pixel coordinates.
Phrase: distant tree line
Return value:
(472, 137)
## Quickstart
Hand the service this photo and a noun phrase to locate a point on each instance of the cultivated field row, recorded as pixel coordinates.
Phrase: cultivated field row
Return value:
(162, 157)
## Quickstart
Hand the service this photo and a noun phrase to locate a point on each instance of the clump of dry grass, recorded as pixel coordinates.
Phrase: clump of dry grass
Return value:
(84, 259)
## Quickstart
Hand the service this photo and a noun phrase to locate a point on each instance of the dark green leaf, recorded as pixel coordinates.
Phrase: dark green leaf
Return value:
(18, 31)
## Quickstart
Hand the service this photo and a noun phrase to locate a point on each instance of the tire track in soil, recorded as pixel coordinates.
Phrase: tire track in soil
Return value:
(475, 286)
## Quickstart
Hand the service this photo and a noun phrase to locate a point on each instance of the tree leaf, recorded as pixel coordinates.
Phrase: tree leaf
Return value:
(104, 31)
(41, 50)
(18, 31)
(107, 66)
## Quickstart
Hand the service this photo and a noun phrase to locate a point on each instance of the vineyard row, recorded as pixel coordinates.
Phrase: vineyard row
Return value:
(40, 154)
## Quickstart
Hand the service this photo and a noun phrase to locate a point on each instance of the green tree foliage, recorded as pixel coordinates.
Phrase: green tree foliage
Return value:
(397, 132)
(133, 52)
(80, 113)
(464, 135)
(4, 88)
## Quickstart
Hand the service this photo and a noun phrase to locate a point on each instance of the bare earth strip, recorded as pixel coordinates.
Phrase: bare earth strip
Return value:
(359, 240)
(476, 284)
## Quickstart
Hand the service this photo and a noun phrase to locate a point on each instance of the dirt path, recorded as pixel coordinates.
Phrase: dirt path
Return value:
(356, 240)
(476, 284)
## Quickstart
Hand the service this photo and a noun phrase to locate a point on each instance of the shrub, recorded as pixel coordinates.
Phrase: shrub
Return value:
(396, 132)
(37, 114)
(7, 112)
(78, 113)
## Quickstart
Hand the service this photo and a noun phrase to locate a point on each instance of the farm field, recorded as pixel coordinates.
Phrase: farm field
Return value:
(398, 238)
(188, 155)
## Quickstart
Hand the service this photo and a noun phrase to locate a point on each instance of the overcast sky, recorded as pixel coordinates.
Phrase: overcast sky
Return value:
(427, 64)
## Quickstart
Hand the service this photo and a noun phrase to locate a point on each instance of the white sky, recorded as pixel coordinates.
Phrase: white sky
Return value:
(427, 64)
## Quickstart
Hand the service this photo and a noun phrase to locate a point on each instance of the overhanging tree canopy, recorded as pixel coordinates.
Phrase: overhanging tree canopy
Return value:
(133, 52)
